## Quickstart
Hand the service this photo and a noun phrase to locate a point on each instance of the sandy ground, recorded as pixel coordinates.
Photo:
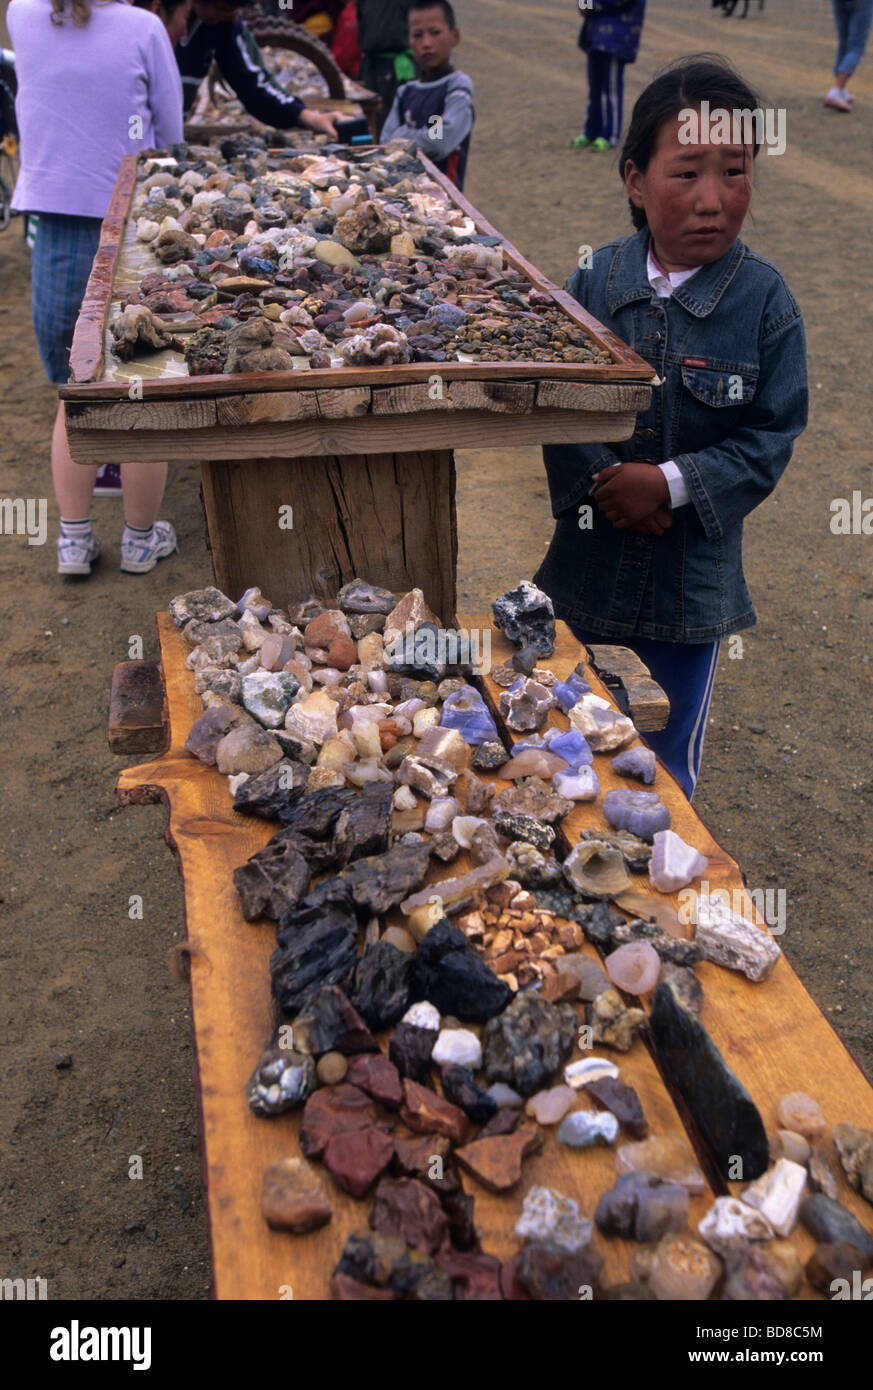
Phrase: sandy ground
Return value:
(96, 1059)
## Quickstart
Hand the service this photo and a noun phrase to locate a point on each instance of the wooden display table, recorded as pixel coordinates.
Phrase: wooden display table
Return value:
(771, 1035)
(362, 456)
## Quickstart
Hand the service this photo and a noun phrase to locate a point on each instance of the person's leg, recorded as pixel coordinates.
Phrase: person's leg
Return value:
(596, 96)
(74, 482)
(617, 101)
(685, 672)
(143, 485)
(858, 32)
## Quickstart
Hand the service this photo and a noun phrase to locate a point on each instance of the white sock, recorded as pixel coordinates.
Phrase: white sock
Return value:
(836, 94)
(76, 530)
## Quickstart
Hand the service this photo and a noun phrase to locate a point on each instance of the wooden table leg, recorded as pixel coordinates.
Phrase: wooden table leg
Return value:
(388, 518)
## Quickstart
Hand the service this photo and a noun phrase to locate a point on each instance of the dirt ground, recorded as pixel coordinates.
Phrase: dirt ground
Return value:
(96, 1057)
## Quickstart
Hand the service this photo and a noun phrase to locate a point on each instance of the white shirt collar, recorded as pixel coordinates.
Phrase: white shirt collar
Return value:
(665, 283)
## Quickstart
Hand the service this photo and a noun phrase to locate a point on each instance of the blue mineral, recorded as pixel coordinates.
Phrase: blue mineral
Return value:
(642, 813)
(573, 747)
(567, 692)
(636, 762)
(527, 617)
(254, 265)
(467, 712)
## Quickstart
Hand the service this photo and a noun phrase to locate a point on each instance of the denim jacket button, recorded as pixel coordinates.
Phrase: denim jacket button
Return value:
(645, 434)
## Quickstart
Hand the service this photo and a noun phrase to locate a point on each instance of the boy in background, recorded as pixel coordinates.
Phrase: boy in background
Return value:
(610, 35)
(436, 109)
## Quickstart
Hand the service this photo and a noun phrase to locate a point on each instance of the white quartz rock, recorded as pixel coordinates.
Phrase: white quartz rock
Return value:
(604, 727)
(422, 1015)
(313, 719)
(729, 1223)
(674, 863)
(577, 786)
(465, 827)
(441, 812)
(778, 1195)
(404, 799)
(236, 781)
(579, 1074)
(457, 1047)
(254, 636)
(549, 1215)
(728, 939)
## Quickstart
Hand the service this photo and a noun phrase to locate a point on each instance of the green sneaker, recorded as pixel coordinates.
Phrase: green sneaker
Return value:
(600, 144)
(579, 142)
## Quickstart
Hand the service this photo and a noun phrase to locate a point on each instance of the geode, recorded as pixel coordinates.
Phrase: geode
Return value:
(721, 1106)
(526, 1044)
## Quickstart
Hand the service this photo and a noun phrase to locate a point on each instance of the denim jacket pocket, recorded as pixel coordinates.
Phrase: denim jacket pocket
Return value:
(733, 385)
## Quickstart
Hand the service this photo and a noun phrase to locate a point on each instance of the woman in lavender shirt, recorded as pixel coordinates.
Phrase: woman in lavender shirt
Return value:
(96, 81)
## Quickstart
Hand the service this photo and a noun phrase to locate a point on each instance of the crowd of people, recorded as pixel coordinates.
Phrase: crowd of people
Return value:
(647, 547)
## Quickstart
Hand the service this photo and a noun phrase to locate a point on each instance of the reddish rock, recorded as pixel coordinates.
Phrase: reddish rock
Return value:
(561, 989)
(510, 1285)
(417, 1158)
(294, 1197)
(837, 1260)
(337, 1110)
(358, 1158)
(342, 653)
(325, 629)
(475, 1278)
(554, 1274)
(458, 1207)
(377, 1076)
(496, 1162)
(504, 1122)
(406, 1208)
(349, 1290)
(331, 1023)
(427, 1113)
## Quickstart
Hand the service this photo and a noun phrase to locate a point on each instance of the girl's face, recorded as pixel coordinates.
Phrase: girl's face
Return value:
(695, 196)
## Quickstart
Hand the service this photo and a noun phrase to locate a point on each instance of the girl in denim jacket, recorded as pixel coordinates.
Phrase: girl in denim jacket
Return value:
(647, 549)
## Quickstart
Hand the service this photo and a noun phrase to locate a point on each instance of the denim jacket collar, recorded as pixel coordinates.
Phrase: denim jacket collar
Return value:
(628, 279)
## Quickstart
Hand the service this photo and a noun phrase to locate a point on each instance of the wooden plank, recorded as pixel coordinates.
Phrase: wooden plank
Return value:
(250, 410)
(502, 397)
(411, 399)
(388, 516)
(231, 1011)
(575, 395)
(364, 434)
(343, 405)
(86, 353)
(145, 415)
(138, 721)
(648, 705)
(772, 1035)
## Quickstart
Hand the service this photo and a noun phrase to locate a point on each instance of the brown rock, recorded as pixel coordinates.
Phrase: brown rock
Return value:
(551, 1273)
(475, 1277)
(459, 1208)
(837, 1260)
(496, 1162)
(379, 1077)
(427, 1113)
(504, 1122)
(411, 609)
(358, 1158)
(349, 1290)
(294, 1197)
(325, 629)
(560, 989)
(510, 1284)
(342, 653)
(331, 1068)
(337, 1110)
(415, 1158)
(406, 1208)
(571, 936)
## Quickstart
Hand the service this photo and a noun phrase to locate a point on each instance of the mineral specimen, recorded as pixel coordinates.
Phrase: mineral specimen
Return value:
(532, 798)
(567, 693)
(474, 1276)
(268, 793)
(828, 1263)
(527, 617)
(524, 828)
(381, 986)
(602, 725)
(855, 1147)
(208, 731)
(427, 1113)
(337, 1110)
(273, 880)
(410, 1049)
(525, 705)
(728, 939)
(673, 863)
(496, 1162)
(467, 712)
(720, 1104)
(669, 948)
(642, 1206)
(282, 1079)
(294, 1197)
(786, 1144)
(363, 828)
(730, 1223)
(612, 1023)
(685, 985)
(750, 1277)
(831, 1222)
(642, 813)
(388, 1263)
(460, 1087)
(666, 1155)
(408, 1209)
(330, 1023)
(549, 1107)
(581, 785)
(802, 1115)
(383, 880)
(373, 1073)
(637, 762)
(682, 1269)
(459, 1047)
(360, 597)
(582, 1073)
(357, 1158)
(635, 968)
(549, 1272)
(248, 748)
(549, 1215)
(584, 1128)
(623, 1101)
(449, 973)
(596, 869)
(321, 951)
(526, 1044)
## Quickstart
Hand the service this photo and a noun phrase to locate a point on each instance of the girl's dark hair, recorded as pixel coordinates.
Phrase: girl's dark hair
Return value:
(685, 83)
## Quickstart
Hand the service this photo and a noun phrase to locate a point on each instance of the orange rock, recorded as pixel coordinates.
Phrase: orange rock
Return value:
(507, 961)
(427, 1113)
(552, 952)
(571, 936)
(539, 942)
(501, 942)
(560, 989)
(527, 973)
(496, 1162)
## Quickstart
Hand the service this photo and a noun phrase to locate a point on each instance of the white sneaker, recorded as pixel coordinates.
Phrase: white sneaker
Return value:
(75, 555)
(138, 557)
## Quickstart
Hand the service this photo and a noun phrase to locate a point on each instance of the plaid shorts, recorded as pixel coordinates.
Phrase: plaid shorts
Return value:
(62, 255)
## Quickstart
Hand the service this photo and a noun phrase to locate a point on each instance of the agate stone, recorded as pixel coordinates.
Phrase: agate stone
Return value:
(637, 762)
(642, 813)
(642, 1206)
(467, 712)
(673, 863)
(549, 1215)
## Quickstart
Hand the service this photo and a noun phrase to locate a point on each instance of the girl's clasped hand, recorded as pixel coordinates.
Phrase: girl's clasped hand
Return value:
(633, 496)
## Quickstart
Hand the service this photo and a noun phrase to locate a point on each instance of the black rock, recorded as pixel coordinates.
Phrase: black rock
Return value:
(283, 1078)
(322, 952)
(318, 854)
(831, 1222)
(721, 1106)
(487, 756)
(381, 987)
(458, 1207)
(364, 827)
(550, 1272)
(388, 1263)
(419, 658)
(449, 973)
(669, 948)
(527, 617)
(316, 813)
(329, 1022)
(529, 1041)
(410, 1050)
(384, 880)
(269, 793)
(272, 881)
(330, 893)
(459, 1086)
(525, 828)
(624, 1103)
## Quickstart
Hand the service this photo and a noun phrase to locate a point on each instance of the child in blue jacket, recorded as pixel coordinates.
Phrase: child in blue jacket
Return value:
(647, 549)
(610, 35)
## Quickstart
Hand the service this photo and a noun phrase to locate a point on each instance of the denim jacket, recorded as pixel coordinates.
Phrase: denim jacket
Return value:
(730, 349)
